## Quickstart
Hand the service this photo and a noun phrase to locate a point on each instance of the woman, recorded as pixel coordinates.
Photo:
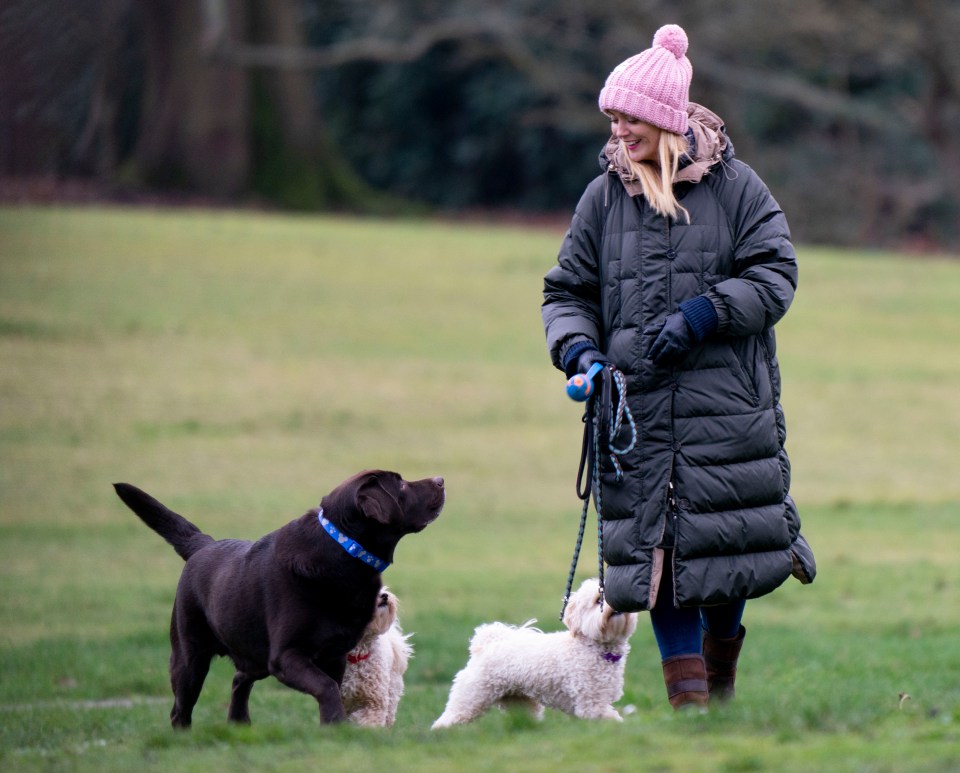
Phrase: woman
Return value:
(676, 267)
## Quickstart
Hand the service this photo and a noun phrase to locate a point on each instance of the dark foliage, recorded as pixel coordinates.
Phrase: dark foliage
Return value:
(847, 109)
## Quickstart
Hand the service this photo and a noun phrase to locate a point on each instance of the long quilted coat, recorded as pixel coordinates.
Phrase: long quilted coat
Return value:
(709, 475)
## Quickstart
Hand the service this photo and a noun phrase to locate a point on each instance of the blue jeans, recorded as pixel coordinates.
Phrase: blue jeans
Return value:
(678, 631)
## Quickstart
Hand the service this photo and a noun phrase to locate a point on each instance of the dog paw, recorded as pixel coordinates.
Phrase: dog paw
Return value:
(444, 721)
(604, 712)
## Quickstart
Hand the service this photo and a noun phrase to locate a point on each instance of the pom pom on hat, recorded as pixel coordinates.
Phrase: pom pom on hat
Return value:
(673, 38)
(654, 85)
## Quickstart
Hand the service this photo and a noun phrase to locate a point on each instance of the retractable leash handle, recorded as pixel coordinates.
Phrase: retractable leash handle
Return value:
(580, 386)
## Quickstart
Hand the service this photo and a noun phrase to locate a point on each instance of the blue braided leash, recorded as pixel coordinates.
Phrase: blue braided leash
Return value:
(592, 421)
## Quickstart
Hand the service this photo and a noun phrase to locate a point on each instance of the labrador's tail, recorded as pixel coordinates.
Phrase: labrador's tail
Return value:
(186, 538)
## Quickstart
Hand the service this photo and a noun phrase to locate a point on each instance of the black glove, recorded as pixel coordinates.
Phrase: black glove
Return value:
(684, 329)
(580, 358)
(675, 340)
(589, 358)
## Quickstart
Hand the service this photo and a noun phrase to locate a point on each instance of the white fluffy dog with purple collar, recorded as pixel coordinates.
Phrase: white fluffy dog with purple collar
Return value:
(373, 680)
(578, 671)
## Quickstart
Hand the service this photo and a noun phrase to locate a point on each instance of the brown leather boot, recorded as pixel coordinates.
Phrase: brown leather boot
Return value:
(686, 679)
(720, 657)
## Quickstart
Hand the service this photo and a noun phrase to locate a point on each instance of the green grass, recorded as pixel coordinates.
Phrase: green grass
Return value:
(239, 365)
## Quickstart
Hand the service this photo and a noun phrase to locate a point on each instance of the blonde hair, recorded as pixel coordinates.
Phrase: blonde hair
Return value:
(657, 183)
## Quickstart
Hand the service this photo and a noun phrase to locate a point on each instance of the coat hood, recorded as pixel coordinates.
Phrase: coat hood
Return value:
(709, 145)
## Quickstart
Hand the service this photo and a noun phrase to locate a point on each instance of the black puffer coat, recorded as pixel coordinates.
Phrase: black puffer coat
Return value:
(712, 425)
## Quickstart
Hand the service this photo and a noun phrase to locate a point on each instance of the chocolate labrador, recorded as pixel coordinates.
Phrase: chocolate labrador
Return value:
(295, 602)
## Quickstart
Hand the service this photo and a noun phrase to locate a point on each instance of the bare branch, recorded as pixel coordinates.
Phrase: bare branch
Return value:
(786, 88)
(375, 49)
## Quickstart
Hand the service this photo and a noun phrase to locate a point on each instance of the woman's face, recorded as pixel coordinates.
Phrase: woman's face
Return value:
(641, 140)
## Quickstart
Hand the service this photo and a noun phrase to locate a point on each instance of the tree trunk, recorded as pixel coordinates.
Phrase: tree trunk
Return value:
(195, 119)
(295, 162)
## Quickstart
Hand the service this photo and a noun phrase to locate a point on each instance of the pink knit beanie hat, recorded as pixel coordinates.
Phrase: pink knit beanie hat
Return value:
(654, 85)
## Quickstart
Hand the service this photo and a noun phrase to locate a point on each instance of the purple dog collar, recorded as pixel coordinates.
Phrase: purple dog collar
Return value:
(352, 547)
(612, 657)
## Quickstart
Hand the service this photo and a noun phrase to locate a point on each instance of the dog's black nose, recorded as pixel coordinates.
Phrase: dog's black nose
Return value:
(438, 481)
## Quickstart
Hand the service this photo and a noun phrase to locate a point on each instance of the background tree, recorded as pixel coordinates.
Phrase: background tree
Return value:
(846, 107)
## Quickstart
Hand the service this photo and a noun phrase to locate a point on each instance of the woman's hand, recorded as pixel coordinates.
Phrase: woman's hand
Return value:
(675, 340)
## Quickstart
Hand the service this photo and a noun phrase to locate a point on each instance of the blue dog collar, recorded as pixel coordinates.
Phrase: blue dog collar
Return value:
(352, 547)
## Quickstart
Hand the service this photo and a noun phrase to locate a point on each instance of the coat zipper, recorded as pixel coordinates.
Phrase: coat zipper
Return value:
(669, 267)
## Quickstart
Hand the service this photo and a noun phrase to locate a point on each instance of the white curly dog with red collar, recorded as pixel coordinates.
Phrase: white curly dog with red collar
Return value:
(373, 680)
(578, 671)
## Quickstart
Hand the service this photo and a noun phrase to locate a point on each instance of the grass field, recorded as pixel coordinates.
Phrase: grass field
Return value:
(239, 365)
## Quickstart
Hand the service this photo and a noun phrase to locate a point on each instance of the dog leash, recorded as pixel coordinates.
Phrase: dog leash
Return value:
(600, 421)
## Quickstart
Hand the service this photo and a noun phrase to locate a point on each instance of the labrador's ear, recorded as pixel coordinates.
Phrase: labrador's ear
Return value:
(377, 500)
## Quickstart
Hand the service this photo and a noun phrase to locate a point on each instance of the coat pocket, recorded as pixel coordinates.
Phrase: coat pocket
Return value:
(742, 371)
